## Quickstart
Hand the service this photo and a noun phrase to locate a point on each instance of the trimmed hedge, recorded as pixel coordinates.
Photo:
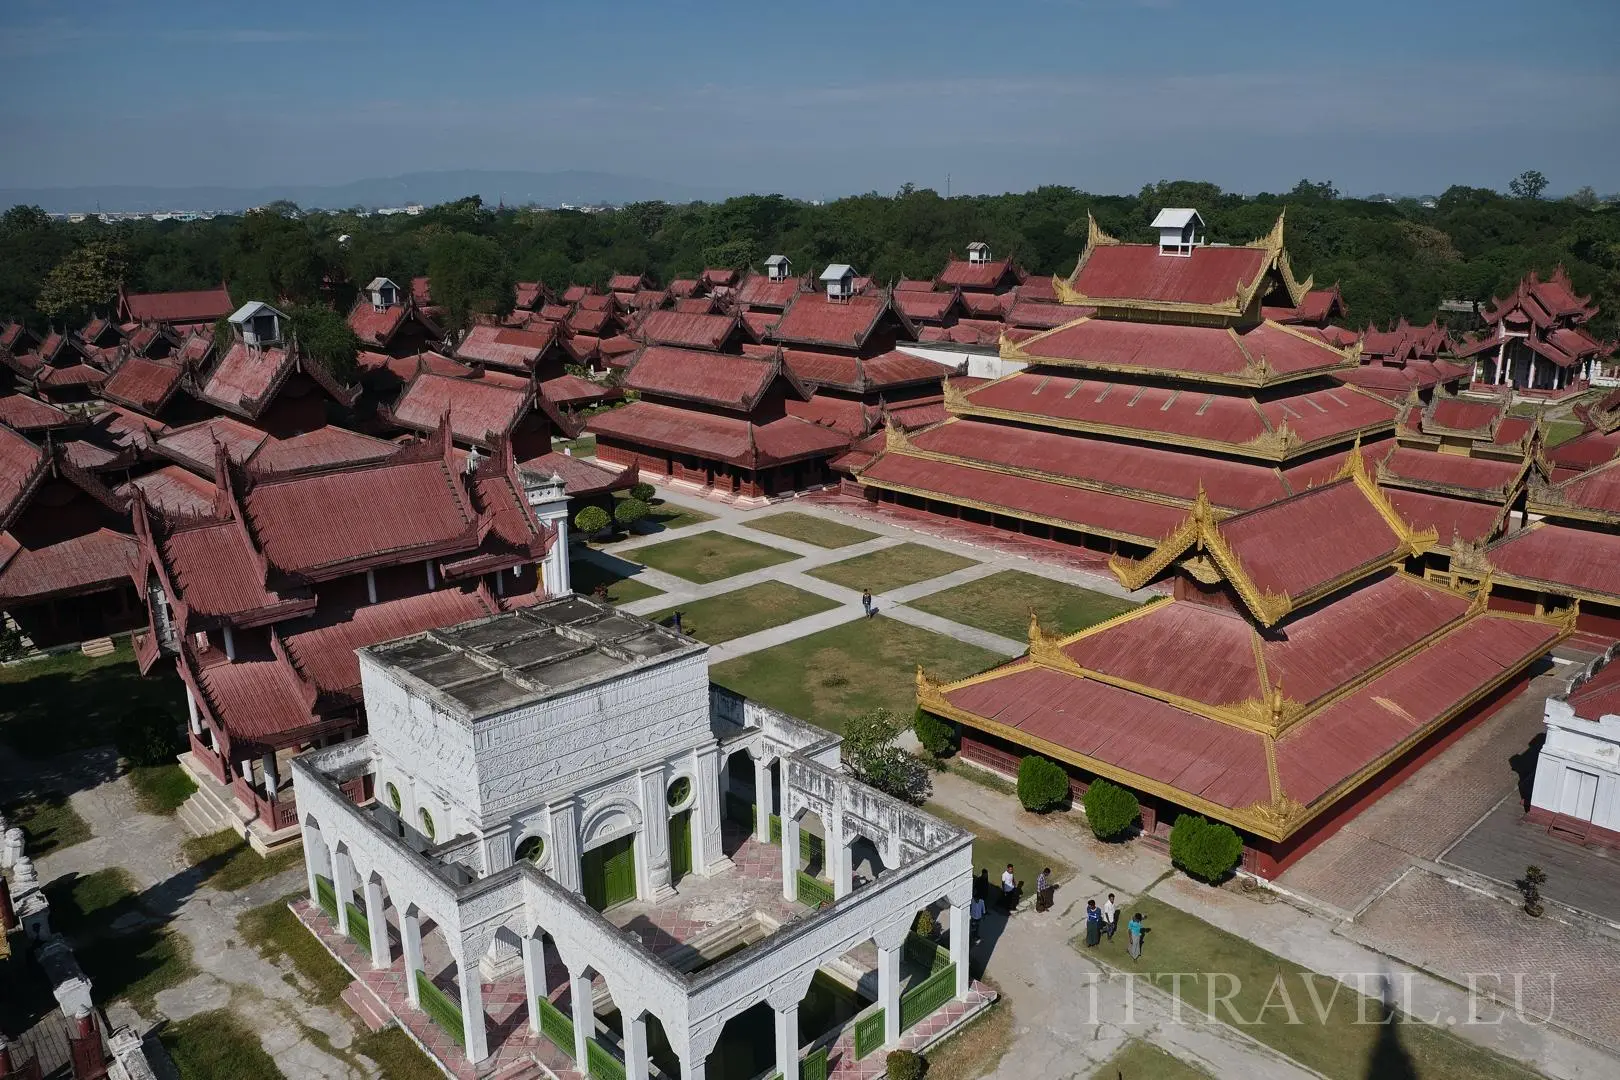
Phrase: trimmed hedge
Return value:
(630, 511)
(592, 520)
(904, 1065)
(1110, 809)
(643, 491)
(1206, 850)
(937, 736)
(1042, 784)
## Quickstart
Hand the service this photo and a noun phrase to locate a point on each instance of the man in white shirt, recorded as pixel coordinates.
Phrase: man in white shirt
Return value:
(1009, 889)
(1110, 917)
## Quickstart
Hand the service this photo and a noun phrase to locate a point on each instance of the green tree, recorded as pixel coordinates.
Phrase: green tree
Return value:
(84, 282)
(1206, 850)
(1042, 784)
(592, 520)
(937, 736)
(327, 336)
(1110, 809)
(471, 276)
(629, 512)
(1528, 185)
(872, 754)
(274, 258)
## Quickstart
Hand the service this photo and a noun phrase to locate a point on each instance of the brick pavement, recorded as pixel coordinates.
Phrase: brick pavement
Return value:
(1504, 843)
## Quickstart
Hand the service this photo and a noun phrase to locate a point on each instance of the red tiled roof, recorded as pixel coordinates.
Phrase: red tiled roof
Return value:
(1189, 351)
(527, 292)
(1585, 451)
(1460, 414)
(1451, 472)
(1561, 556)
(323, 645)
(21, 465)
(1209, 275)
(82, 563)
(142, 384)
(813, 319)
(581, 476)
(719, 275)
(70, 375)
(243, 379)
(1451, 519)
(911, 417)
(1039, 316)
(571, 391)
(986, 305)
(325, 446)
(1040, 287)
(841, 414)
(967, 275)
(925, 306)
(23, 413)
(694, 331)
(404, 368)
(215, 570)
(583, 321)
(374, 326)
(886, 370)
(482, 410)
(759, 323)
(1598, 696)
(174, 490)
(194, 444)
(195, 306)
(695, 305)
(720, 438)
(626, 282)
(256, 699)
(736, 382)
(575, 293)
(682, 288)
(759, 291)
(516, 349)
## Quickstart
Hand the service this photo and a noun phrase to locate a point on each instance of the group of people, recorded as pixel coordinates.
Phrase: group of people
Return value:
(1100, 921)
(1104, 920)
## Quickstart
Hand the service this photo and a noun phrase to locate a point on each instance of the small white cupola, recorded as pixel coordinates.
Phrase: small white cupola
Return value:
(1180, 230)
(840, 281)
(978, 253)
(777, 268)
(257, 324)
(384, 293)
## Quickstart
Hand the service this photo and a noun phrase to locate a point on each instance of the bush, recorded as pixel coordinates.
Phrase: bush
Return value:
(149, 736)
(1110, 809)
(873, 756)
(1042, 784)
(592, 520)
(630, 511)
(923, 925)
(1206, 850)
(904, 1065)
(643, 491)
(937, 736)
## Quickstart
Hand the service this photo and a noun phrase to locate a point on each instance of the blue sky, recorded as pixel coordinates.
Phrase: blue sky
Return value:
(817, 98)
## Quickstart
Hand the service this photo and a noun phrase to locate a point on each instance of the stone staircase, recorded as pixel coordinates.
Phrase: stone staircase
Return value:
(98, 647)
(211, 807)
(358, 997)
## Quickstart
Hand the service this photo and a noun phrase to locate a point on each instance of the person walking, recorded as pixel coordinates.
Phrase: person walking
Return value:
(1093, 924)
(1110, 917)
(1134, 929)
(981, 884)
(866, 602)
(1009, 890)
(1043, 889)
(975, 917)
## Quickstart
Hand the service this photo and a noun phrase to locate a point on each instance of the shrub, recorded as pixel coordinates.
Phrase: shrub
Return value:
(923, 925)
(643, 491)
(904, 1065)
(592, 520)
(1110, 809)
(873, 756)
(1042, 784)
(630, 511)
(937, 736)
(1206, 850)
(149, 736)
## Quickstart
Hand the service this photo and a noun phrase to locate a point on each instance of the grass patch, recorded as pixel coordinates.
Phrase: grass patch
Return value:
(976, 1049)
(217, 1044)
(797, 525)
(396, 1056)
(1139, 1060)
(668, 515)
(49, 822)
(584, 446)
(229, 863)
(87, 902)
(711, 556)
(834, 674)
(277, 934)
(586, 574)
(161, 789)
(136, 966)
(1001, 604)
(1561, 431)
(58, 704)
(891, 568)
(746, 611)
(1343, 1040)
(993, 851)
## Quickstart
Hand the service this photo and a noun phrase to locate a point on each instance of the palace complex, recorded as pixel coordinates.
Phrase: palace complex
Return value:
(568, 810)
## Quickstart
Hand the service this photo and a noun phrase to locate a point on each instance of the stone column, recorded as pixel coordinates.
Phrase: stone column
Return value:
(708, 852)
(410, 932)
(343, 885)
(835, 853)
(579, 991)
(534, 976)
(472, 1009)
(790, 858)
(271, 780)
(565, 844)
(377, 918)
(960, 940)
(654, 839)
(191, 714)
(762, 800)
(315, 860)
(787, 1042)
(889, 993)
(635, 1048)
(696, 1069)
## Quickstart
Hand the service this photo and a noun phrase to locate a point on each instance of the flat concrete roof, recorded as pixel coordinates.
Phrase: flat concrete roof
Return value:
(507, 661)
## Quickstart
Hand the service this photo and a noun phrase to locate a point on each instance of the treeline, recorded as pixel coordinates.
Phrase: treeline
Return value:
(1391, 259)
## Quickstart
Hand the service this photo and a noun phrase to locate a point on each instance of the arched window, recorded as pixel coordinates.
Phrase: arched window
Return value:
(393, 796)
(680, 792)
(427, 823)
(531, 849)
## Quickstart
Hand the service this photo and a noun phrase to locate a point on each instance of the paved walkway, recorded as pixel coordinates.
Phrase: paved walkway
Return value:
(1503, 843)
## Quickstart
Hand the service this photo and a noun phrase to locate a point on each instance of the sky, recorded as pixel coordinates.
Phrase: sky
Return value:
(816, 99)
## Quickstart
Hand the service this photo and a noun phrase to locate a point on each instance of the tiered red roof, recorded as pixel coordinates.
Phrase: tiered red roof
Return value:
(515, 350)
(196, 307)
(144, 385)
(813, 319)
(688, 330)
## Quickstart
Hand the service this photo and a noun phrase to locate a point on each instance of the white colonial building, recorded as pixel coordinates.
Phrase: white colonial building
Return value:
(1577, 788)
(564, 806)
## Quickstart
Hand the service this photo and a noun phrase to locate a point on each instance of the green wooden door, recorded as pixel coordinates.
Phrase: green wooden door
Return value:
(680, 845)
(609, 873)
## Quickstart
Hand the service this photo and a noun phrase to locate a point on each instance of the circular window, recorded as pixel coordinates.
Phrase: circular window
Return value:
(393, 796)
(531, 849)
(427, 824)
(680, 791)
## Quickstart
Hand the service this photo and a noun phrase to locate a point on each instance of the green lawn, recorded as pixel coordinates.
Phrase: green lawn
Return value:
(992, 851)
(891, 568)
(230, 864)
(72, 702)
(1342, 1039)
(830, 676)
(622, 588)
(1561, 431)
(91, 901)
(161, 789)
(796, 525)
(1139, 1060)
(668, 515)
(1001, 604)
(49, 822)
(277, 934)
(396, 1056)
(217, 1044)
(584, 446)
(745, 611)
(711, 556)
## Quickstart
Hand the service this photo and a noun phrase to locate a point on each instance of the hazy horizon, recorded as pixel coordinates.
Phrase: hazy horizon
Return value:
(1103, 96)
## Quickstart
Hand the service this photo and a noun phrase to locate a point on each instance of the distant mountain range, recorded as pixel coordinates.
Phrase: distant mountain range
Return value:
(575, 187)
